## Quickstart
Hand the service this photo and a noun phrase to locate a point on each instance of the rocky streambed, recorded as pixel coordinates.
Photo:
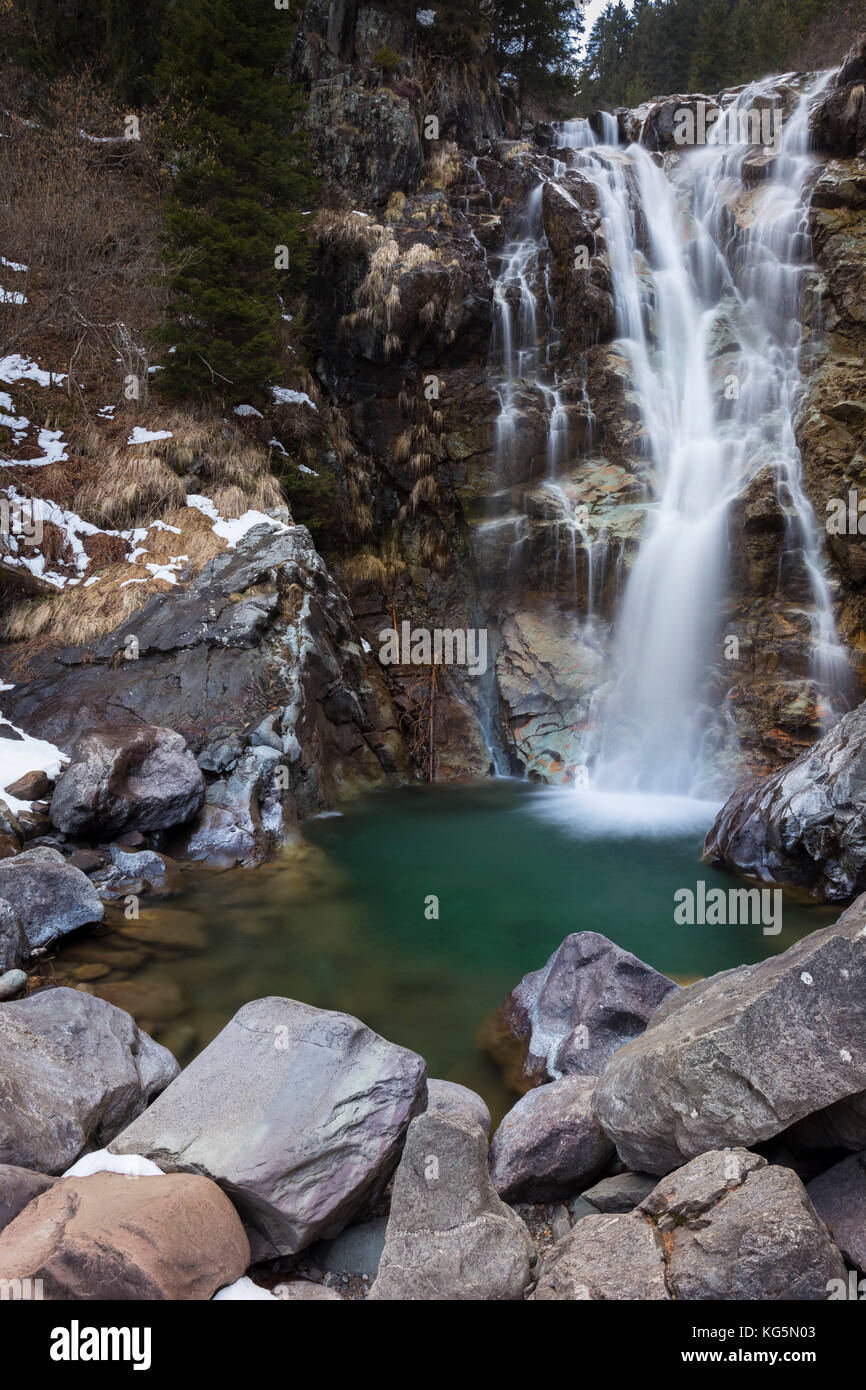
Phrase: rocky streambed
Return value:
(705, 1143)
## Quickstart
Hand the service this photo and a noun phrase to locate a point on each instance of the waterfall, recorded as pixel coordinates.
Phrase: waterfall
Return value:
(683, 272)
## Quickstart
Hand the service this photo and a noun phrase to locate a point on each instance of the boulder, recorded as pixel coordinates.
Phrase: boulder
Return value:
(623, 1192)
(571, 1016)
(725, 1226)
(449, 1098)
(357, 1251)
(449, 1235)
(839, 1198)
(73, 1071)
(18, 1187)
(11, 984)
(137, 775)
(754, 1235)
(14, 946)
(739, 1057)
(109, 1237)
(550, 1144)
(299, 1113)
(50, 899)
(806, 823)
(33, 786)
(604, 1259)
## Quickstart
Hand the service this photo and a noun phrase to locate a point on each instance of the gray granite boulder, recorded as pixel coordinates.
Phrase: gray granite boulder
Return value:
(739, 1057)
(550, 1143)
(839, 1197)
(50, 899)
(724, 1227)
(136, 776)
(298, 1113)
(569, 1017)
(453, 1099)
(449, 1235)
(73, 1071)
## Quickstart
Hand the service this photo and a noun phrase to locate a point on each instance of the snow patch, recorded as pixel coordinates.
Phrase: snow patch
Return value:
(131, 1165)
(142, 436)
(26, 754)
(284, 396)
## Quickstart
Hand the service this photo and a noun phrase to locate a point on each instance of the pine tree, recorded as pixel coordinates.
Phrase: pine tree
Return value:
(133, 30)
(535, 43)
(235, 211)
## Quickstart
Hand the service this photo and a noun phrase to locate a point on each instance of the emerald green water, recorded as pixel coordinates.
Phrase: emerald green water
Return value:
(343, 925)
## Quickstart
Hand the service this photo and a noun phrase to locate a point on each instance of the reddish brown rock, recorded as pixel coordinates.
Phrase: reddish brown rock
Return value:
(110, 1236)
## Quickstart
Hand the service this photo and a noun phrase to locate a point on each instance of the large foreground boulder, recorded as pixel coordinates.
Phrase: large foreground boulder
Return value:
(298, 1113)
(806, 823)
(111, 1237)
(570, 1016)
(73, 1071)
(138, 776)
(726, 1226)
(449, 1235)
(50, 899)
(550, 1144)
(739, 1057)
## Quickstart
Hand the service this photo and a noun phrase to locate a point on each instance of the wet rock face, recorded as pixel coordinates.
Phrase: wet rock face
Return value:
(170, 1237)
(839, 121)
(725, 1226)
(255, 665)
(73, 1071)
(742, 1056)
(803, 824)
(299, 1113)
(568, 1018)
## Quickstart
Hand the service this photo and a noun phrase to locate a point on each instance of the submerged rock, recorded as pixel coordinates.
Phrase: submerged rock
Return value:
(73, 1071)
(449, 1235)
(104, 1237)
(298, 1113)
(550, 1143)
(571, 1016)
(739, 1057)
(806, 823)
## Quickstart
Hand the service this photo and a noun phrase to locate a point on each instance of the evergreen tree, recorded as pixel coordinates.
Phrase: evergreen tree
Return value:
(236, 202)
(133, 30)
(535, 43)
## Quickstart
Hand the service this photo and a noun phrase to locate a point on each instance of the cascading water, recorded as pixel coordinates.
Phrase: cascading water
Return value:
(658, 729)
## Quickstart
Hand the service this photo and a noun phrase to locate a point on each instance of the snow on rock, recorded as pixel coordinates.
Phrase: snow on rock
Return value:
(243, 1290)
(248, 410)
(25, 754)
(142, 436)
(284, 396)
(131, 1165)
(231, 530)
